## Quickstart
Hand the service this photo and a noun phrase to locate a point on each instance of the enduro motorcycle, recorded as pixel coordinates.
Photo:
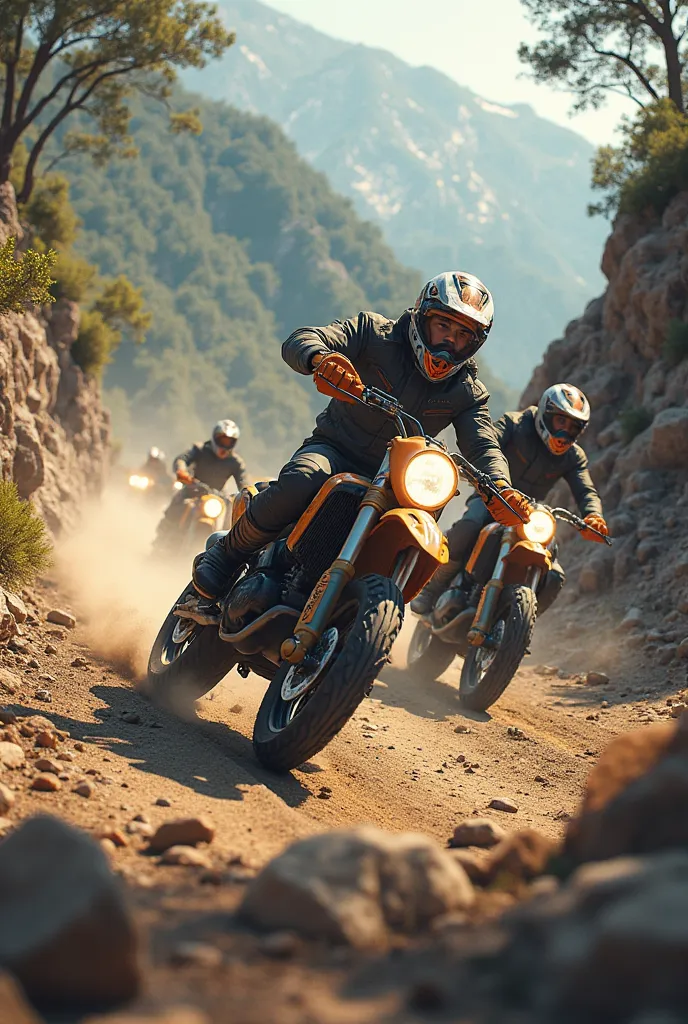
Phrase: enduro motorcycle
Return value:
(203, 512)
(487, 614)
(317, 611)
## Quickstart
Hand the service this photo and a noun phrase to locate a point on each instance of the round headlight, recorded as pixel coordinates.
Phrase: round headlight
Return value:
(213, 507)
(140, 482)
(540, 528)
(430, 480)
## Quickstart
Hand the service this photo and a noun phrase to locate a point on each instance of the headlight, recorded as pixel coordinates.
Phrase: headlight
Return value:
(540, 528)
(213, 507)
(430, 480)
(177, 485)
(139, 482)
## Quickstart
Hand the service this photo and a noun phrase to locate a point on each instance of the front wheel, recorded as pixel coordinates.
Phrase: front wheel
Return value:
(186, 660)
(487, 671)
(303, 710)
(427, 654)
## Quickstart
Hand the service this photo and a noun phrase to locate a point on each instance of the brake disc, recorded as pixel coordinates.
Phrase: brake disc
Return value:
(299, 679)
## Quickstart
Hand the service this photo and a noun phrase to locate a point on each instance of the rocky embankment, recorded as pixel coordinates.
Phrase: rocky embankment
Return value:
(638, 438)
(54, 432)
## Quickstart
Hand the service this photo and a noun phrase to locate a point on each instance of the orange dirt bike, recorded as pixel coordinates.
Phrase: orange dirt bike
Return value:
(201, 514)
(487, 613)
(317, 611)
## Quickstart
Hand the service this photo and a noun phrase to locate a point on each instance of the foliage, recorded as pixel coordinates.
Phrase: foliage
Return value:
(675, 348)
(74, 277)
(118, 308)
(61, 57)
(651, 165)
(50, 213)
(94, 343)
(634, 419)
(593, 47)
(26, 280)
(24, 547)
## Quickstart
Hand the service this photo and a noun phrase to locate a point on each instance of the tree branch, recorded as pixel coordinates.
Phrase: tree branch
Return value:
(629, 63)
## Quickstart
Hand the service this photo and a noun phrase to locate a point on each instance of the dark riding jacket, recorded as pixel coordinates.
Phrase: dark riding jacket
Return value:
(202, 462)
(379, 349)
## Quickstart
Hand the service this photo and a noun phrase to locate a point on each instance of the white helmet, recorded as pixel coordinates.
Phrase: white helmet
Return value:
(561, 400)
(224, 437)
(461, 297)
(156, 454)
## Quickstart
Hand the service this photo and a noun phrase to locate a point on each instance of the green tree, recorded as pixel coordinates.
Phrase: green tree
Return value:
(26, 280)
(25, 550)
(592, 47)
(59, 57)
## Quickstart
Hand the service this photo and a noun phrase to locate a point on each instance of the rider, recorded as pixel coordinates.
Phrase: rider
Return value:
(540, 445)
(212, 463)
(155, 468)
(425, 359)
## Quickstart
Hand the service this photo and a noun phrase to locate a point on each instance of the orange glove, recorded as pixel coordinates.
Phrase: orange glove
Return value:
(184, 477)
(597, 523)
(336, 371)
(518, 502)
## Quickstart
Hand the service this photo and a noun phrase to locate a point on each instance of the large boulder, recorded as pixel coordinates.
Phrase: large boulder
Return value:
(669, 439)
(357, 887)
(66, 933)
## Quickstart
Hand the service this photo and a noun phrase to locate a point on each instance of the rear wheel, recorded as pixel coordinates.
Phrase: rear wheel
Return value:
(302, 710)
(186, 660)
(427, 654)
(487, 671)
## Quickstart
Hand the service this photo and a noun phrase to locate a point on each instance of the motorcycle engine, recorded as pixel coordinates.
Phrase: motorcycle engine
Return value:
(449, 605)
(252, 596)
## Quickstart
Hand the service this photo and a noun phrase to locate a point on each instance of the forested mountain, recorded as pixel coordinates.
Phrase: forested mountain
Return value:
(235, 241)
(452, 179)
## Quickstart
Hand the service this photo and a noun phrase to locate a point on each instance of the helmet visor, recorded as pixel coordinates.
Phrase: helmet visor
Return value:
(561, 427)
(223, 445)
(450, 337)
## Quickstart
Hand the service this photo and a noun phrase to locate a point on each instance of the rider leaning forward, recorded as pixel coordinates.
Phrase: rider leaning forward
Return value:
(424, 359)
(540, 446)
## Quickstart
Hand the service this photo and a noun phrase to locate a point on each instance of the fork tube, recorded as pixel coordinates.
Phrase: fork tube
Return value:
(482, 623)
(327, 591)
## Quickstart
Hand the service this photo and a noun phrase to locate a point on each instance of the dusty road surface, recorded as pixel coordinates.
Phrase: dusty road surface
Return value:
(410, 759)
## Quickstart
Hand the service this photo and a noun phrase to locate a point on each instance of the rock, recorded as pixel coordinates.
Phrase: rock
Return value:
(182, 832)
(236, 709)
(280, 945)
(79, 663)
(7, 717)
(44, 695)
(11, 755)
(9, 682)
(646, 551)
(61, 618)
(80, 747)
(16, 606)
(633, 619)
(46, 783)
(115, 836)
(682, 649)
(187, 856)
(477, 832)
(33, 663)
(162, 801)
(473, 864)
(140, 828)
(47, 740)
(14, 1008)
(50, 649)
(66, 932)
(131, 717)
(66, 755)
(6, 799)
(500, 803)
(45, 764)
(357, 887)
(85, 789)
(596, 678)
(520, 857)
(200, 954)
(461, 729)
(669, 439)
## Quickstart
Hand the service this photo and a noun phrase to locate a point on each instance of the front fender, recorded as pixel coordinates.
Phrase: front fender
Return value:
(524, 556)
(397, 531)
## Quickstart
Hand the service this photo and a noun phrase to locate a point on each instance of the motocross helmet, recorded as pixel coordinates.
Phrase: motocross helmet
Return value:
(561, 400)
(224, 437)
(461, 297)
(155, 455)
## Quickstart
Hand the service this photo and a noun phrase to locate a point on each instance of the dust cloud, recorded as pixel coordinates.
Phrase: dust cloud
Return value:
(121, 593)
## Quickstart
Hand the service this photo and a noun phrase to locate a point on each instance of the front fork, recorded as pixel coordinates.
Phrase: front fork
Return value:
(489, 599)
(327, 591)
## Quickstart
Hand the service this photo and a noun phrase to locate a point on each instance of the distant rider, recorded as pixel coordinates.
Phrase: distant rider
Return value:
(212, 464)
(156, 469)
(425, 359)
(540, 445)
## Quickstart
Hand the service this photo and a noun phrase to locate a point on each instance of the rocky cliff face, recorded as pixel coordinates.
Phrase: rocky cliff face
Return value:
(54, 433)
(616, 353)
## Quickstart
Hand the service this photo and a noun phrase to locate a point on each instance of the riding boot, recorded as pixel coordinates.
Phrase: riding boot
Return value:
(214, 569)
(425, 602)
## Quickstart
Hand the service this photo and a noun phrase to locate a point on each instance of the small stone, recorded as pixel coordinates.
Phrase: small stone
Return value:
(116, 837)
(162, 801)
(325, 793)
(46, 783)
(11, 755)
(80, 747)
(143, 818)
(107, 846)
(185, 856)
(682, 649)
(140, 828)
(7, 717)
(200, 954)
(79, 663)
(66, 755)
(61, 618)
(477, 832)
(47, 740)
(280, 945)
(515, 733)
(182, 832)
(463, 729)
(33, 663)
(44, 695)
(44, 764)
(45, 677)
(6, 799)
(678, 709)
(604, 704)
(84, 789)
(596, 678)
(50, 649)
(501, 803)
(236, 709)
(632, 620)
(131, 717)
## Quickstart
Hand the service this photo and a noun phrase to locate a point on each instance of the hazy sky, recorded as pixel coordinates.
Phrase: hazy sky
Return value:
(472, 41)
